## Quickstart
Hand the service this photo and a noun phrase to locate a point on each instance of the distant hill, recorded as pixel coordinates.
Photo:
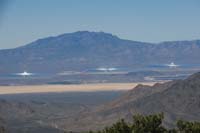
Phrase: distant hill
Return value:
(176, 99)
(84, 50)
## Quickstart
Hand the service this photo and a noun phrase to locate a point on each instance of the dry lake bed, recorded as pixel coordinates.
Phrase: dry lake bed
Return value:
(70, 88)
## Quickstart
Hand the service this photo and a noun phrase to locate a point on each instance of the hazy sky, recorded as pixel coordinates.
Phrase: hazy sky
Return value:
(23, 21)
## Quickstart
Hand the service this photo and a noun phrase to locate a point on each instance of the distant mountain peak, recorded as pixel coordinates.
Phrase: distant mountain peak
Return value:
(82, 50)
(91, 34)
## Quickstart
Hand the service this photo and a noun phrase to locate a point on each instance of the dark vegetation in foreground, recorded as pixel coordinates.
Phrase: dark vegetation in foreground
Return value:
(150, 124)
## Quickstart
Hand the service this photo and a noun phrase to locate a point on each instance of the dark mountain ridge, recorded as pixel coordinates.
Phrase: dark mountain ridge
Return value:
(178, 99)
(85, 50)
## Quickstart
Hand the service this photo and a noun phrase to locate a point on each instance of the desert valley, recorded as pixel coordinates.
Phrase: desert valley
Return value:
(99, 66)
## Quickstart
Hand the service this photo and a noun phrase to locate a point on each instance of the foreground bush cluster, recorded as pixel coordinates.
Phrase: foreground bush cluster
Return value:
(150, 124)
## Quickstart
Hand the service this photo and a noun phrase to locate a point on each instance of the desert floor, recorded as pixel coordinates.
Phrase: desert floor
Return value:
(70, 88)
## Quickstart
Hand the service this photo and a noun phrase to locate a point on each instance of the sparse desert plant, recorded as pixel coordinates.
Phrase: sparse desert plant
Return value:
(150, 124)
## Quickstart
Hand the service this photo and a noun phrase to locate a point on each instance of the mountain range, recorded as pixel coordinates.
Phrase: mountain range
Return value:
(85, 50)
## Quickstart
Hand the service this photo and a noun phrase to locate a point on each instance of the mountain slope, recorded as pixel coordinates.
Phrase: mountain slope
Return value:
(176, 99)
(85, 50)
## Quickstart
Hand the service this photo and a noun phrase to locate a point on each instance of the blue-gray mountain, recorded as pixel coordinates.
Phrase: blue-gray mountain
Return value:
(85, 50)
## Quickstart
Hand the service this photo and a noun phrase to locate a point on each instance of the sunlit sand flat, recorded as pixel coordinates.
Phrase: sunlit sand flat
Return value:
(70, 88)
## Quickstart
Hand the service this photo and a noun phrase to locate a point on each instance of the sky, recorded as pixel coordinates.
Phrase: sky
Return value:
(24, 21)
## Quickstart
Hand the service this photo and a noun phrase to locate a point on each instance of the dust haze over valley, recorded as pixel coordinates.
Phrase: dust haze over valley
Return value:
(68, 66)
